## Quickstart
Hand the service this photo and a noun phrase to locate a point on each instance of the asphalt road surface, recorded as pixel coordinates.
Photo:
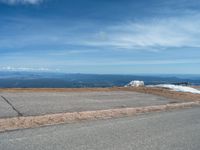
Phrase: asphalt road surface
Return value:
(40, 103)
(175, 130)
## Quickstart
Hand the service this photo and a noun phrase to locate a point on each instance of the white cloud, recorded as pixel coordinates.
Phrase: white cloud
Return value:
(9, 68)
(68, 52)
(163, 33)
(12, 2)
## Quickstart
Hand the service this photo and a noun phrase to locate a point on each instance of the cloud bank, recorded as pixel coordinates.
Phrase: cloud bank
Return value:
(13, 2)
(8, 68)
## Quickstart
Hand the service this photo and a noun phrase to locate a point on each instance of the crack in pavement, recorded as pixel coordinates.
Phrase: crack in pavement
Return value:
(13, 107)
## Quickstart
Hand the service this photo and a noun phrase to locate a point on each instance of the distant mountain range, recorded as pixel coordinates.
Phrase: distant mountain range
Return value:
(10, 79)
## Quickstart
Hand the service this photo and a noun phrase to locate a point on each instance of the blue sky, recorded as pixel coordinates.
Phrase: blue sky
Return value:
(100, 36)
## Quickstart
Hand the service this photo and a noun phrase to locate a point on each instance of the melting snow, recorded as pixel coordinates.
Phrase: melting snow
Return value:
(178, 88)
(135, 83)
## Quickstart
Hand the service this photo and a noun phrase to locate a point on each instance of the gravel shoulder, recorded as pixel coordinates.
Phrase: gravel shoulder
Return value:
(33, 102)
(40, 103)
(148, 90)
(6, 110)
(26, 108)
(197, 87)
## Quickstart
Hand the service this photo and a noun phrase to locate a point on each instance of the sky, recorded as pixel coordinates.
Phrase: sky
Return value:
(100, 36)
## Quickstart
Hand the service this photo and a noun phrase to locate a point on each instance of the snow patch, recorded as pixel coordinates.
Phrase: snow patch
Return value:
(135, 83)
(178, 88)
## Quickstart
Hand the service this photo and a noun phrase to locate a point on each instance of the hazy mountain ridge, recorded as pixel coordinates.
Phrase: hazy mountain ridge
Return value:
(61, 80)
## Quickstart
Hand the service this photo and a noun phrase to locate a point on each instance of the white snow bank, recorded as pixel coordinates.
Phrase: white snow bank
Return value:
(135, 83)
(178, 88)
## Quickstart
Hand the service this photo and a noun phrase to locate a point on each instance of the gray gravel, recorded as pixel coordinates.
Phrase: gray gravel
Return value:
(37, 103)
(5, 109)
(176, 130)
(198, 88)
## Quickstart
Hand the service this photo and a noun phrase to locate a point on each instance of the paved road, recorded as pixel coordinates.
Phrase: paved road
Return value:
(39, 103)
(175, 130)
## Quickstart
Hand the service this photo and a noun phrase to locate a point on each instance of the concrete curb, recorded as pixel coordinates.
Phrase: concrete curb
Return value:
(51, 119)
